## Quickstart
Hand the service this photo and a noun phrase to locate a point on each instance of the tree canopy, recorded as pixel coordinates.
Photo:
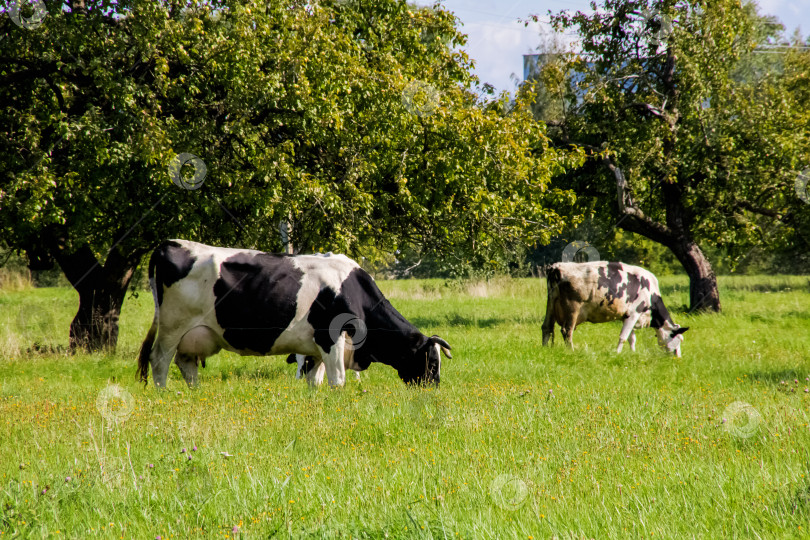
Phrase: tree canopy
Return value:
(352, 124)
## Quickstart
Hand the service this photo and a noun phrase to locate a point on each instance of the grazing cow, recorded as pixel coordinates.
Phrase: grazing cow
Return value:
(607, 291)
(255, 303)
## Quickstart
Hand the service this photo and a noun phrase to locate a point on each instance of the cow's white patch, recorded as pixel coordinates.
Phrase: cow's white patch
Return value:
(333, 358)
(674, 345)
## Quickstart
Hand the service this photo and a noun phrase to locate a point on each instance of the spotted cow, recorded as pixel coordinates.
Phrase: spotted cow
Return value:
(255, 303)
(607, 291)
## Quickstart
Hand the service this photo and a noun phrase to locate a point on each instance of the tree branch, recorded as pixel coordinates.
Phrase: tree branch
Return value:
(631, 217)
(646, 107)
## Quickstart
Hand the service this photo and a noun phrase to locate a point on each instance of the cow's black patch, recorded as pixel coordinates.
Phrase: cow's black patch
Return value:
(553, 277)
(256, 299)
(321, 315)
(633, 287)
(169, 263)
(610, 279)
(642, 307)
(659, 312)
(645, 283)
(309, 363)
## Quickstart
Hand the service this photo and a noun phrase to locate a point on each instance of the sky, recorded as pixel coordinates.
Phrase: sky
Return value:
(497, 41)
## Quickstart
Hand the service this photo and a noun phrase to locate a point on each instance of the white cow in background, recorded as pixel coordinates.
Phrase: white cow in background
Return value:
(603, 291)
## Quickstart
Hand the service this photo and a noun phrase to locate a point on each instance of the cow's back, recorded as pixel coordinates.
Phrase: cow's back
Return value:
(604, 291)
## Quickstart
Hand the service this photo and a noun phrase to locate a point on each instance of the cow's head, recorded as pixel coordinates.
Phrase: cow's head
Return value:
(670, 337)
(426, 365)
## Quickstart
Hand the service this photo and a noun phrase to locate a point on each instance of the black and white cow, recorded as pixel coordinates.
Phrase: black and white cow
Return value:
(603, 291)
(255, 303)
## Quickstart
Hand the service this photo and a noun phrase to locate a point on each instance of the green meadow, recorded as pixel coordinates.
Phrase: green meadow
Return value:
(519, 441)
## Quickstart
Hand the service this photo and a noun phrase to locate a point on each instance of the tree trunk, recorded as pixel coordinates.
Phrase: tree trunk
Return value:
(101, 289)
(285, 230)
(703, 292)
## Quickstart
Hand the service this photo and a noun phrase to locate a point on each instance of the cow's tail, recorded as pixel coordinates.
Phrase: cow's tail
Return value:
(553, 279)
(148, 342)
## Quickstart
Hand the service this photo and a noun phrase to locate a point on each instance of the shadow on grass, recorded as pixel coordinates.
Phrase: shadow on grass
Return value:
(458, 320)
(796, 503)
(256, 373)
(668, 290)
(775, 286)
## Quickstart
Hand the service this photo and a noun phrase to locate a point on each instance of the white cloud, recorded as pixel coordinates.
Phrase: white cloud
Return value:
(498, 50)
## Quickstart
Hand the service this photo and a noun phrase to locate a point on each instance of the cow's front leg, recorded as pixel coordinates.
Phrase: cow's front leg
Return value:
(632, 341)
(627, 330)
(335, 369)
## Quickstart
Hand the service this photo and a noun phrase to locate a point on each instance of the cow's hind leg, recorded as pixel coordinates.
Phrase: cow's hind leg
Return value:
(553, 279)
(161, 358)
(548, 329)
(627, 330)
(188, 367)
(567, 328)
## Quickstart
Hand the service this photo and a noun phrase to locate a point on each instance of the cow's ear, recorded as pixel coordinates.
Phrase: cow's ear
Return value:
(680, 330)
(443, 344)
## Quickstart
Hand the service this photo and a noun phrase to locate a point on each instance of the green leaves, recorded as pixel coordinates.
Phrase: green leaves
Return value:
(302, 113)
(706, 128)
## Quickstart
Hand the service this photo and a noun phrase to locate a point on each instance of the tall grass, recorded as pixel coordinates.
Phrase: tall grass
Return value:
(520, 441)
(15, 280)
